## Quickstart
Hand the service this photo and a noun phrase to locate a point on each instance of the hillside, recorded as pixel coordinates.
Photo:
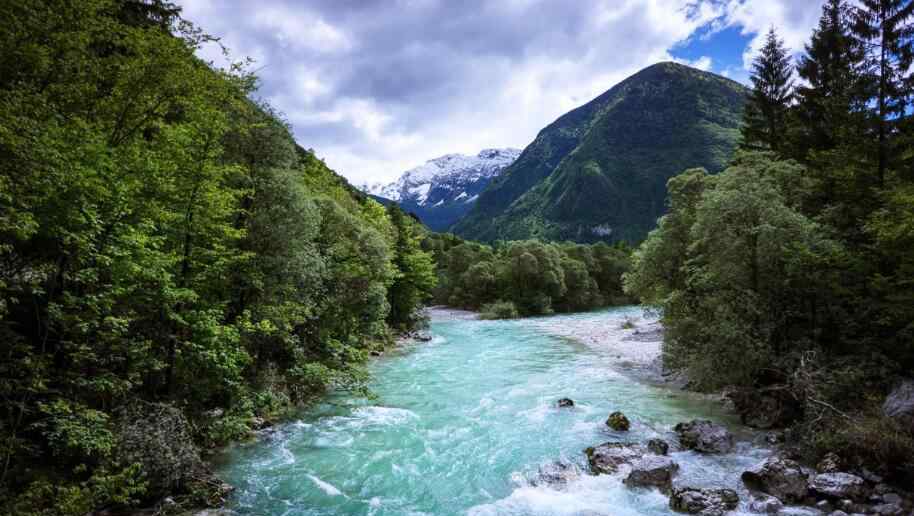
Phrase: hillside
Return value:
(599, 172)
(442, 190)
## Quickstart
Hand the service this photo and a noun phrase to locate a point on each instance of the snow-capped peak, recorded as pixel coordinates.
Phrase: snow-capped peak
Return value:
(445, 178)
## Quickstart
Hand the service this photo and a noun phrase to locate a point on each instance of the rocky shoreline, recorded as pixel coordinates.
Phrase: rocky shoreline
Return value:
(776, 485)
(779, 484)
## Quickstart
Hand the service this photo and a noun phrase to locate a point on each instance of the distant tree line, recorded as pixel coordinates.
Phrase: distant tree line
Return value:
(790, 276)
(529, 277)
(174, 269)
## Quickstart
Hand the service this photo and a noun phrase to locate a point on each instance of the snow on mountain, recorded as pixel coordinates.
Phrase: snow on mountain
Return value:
(439, 177)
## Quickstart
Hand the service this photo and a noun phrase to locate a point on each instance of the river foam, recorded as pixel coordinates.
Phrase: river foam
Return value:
(464, 426)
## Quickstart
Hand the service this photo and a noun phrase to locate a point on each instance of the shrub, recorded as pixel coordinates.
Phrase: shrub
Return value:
(866, 440)
(499, 310)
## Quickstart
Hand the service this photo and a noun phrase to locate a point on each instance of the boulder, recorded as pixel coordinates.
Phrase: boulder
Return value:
(565, 403)
(839, 485)
(775, 437)
(709, 502)
(618, 422)
(658, 446)
(887, 509)
(778, 477)
(652, 471)
(607, 457)
(556, 474)
(704, 436)
(830, 463)
(765, 504)
(899, 404)
(893, 498)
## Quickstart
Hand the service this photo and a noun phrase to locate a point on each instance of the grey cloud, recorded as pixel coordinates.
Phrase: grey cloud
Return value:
(387, 83)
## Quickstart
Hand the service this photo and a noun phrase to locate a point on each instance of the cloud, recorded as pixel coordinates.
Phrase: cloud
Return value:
(379, 86)
(793, 21)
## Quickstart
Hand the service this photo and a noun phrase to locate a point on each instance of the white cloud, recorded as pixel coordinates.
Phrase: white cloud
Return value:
(793, 20)
(293, 27)
(377, 88)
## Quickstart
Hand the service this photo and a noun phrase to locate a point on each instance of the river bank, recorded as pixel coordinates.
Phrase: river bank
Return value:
(631, 345)
(469, 422)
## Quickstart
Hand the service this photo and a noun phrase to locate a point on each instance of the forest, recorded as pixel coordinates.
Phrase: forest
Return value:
(527, 277)
(789, 278)
(174, 270)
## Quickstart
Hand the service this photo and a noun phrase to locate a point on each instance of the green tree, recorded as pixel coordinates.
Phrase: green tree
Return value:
(829, 99)
(765, 119)
(885, 28)
(415, 277)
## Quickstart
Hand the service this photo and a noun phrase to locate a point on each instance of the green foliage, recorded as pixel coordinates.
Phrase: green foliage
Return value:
(416, 271)
(797, 276)
(532, 277)
(884, 29)
(598, 172)
(167, 249)
(730, 266)
(499, 310)
(765, 117)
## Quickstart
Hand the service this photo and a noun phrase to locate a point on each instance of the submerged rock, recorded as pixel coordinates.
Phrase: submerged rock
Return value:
(422, 336)
(899, 404)
(779, 477)
(607, 457)
(704, 436)
(658, 446)
(565, 403)
(709, 502)
(887, 509)
(618, 422)
(652, 471)
(556, 473)
(765, 504)
(839, 485)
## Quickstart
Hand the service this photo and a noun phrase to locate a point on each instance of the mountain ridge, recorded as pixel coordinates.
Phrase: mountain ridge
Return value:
(598, 172)
(443, 189)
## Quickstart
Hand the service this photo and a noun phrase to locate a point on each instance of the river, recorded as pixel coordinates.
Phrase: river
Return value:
(462, 425)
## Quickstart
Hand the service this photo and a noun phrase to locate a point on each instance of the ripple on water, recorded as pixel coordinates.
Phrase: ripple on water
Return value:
(461, 427)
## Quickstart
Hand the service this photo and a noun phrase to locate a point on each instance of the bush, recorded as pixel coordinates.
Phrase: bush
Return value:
(499, 310)
(868, 440)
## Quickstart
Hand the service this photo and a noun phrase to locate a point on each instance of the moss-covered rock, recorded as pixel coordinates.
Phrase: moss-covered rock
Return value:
(618, 422)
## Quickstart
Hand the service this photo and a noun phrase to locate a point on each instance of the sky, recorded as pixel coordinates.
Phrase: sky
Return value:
(376, 87)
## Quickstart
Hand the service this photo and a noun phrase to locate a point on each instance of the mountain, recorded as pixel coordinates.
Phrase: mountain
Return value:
(442, 190)
(599, 172)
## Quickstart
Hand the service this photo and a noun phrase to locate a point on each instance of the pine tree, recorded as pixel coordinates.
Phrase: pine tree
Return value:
(827, 102)
(765, 119)
(886, 30)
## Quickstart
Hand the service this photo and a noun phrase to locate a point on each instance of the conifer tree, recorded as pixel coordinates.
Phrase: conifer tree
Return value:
(765, 119)
(885, 27)
(827, 102)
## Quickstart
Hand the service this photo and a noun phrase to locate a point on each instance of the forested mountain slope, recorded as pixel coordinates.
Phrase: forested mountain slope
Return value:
(599, 172)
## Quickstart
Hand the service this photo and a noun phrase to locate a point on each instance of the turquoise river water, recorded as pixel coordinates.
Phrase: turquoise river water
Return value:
(462, 425)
